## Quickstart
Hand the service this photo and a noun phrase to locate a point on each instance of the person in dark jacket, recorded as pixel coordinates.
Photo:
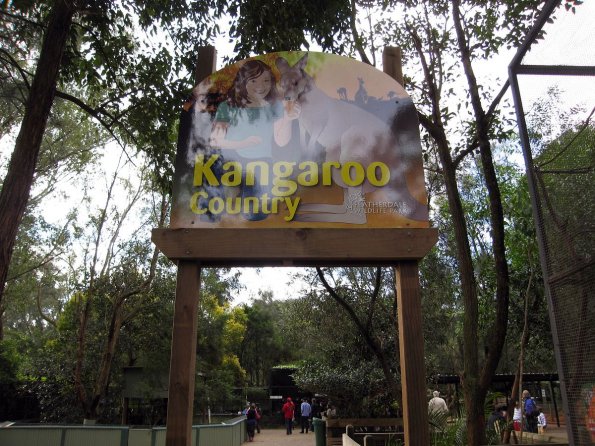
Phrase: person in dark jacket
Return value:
(531, 413)
(497, 421)
(251, 422)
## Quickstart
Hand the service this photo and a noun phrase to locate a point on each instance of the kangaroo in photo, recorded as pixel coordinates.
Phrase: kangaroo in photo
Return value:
(341, 131)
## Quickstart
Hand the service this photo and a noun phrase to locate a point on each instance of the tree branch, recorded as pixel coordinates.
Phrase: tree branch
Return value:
(474, 144)
(41, 313)
(356, 37)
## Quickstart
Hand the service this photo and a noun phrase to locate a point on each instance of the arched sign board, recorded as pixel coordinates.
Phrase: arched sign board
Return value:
(298, 158)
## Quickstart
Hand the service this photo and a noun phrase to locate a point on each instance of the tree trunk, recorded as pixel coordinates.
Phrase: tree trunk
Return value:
(470, 378)
(107, 360)
(19, 177)
(497, 335)
(375, 348)
(470, 381)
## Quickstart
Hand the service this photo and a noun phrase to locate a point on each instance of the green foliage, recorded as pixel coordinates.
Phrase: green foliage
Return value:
(443, 433)
(8, 362)
(442, 314)
(127, 64)
(265, 343)
(356, 387)
(262, 26)
(222, 330)
(338, 360)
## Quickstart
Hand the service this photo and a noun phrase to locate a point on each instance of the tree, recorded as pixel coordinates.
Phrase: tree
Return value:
(357, 365)
(88, 45)
(264, 345)
(222, 332)
(441, 49)
(18, 180)
(69, 149)
(108, 285)
(442, 38)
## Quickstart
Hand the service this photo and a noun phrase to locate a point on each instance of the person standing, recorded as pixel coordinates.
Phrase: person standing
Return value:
(531, 413)
(251, 422)
(288, 414)
(541, 421)
(437, 404)
(517, 417)
(316, 410)
(306, 411)
(258, 417)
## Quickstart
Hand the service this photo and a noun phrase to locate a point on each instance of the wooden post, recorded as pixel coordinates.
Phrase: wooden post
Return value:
(411, 344)
(411, 340)
(205, 63)
(183, 355)
(391, 63)
(182, 369)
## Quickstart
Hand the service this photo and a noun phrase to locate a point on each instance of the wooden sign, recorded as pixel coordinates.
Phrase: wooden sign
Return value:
(299, 140)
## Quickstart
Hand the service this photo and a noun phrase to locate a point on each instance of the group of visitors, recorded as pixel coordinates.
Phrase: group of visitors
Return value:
(535, 420)
(533, 416)
(306, 412)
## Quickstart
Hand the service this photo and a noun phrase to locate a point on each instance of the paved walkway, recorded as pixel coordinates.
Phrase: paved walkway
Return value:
(278, 437)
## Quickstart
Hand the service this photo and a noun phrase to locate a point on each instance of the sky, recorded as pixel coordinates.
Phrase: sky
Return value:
(568, 41)
(278, 280)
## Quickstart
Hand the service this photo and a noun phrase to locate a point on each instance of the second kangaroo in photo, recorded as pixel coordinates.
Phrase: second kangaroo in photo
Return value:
(343, 131)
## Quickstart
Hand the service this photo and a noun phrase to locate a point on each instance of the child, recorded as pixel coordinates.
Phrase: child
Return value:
(251, 123)
(541, 421)
(517, 417)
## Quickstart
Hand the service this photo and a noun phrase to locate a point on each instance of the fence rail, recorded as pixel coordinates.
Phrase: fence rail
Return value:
(229, 433)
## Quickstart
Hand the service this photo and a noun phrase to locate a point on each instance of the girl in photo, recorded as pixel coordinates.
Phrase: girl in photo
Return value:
(252, 124)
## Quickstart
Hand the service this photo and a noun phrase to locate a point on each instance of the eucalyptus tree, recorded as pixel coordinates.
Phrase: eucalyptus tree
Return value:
(345, 328)
(100, 56)
(443, 42)
(265, 343)
(446, 42)
(69, 150)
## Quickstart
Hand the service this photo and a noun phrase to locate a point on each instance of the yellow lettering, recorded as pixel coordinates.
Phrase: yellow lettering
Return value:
(201, 169)
(251, 203)
(194, 202)
(360, 175)
(327, 179)
(251, 167)
(234, 177)
(234, 205)
(384, 174)
(309, 175)
(292, 206)
(216, 205)
(281, 186)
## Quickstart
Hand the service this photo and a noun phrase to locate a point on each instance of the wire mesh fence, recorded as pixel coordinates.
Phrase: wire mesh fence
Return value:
(565, 186)
(558, 136)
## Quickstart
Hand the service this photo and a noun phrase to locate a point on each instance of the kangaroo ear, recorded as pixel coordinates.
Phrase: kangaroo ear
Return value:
(301, 64)
(282, 64)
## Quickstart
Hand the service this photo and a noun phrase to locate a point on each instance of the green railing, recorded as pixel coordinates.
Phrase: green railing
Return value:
(230, 433)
